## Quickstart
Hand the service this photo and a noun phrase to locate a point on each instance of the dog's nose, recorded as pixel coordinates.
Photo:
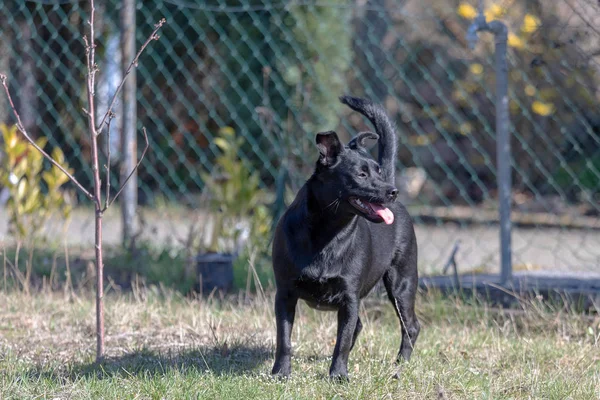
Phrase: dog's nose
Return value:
(392, 193)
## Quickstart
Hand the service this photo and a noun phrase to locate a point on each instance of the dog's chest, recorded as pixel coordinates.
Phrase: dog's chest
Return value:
(321, 293)
(322, 288)
(323, 277)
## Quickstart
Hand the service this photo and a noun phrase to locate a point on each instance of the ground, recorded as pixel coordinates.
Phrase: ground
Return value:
(162, 345)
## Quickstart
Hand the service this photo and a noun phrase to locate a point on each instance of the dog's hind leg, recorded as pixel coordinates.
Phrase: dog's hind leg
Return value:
(356, 332)
(285, 311)
(402, 291)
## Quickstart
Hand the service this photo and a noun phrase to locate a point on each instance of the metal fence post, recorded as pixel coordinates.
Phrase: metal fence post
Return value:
(503, 155)
(129, 141)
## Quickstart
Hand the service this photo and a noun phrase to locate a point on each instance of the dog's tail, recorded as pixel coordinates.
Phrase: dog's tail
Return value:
(384, 128)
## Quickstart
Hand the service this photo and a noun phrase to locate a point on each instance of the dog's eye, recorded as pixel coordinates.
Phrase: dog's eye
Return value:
(379, 170)
(362, 174)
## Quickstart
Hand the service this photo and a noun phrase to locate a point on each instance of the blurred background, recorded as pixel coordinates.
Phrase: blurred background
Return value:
(232, 95)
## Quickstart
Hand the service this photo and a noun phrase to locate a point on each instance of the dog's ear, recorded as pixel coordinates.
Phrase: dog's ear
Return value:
(329, 146)
(363, 140)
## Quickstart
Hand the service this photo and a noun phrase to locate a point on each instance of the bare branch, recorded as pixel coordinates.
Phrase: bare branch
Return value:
(132, 172)
(92, 68)
(134, 63)
(110, 118)
(21, 128)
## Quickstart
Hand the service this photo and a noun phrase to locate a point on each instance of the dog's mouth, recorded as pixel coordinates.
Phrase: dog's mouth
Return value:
(373, 211)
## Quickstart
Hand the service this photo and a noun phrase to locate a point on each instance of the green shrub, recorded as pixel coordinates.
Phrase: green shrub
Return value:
(34, 192)
(238, 205)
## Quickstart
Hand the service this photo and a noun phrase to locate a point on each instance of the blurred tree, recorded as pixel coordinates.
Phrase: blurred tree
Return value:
(552, 88)
(220, 66)
(446, 95)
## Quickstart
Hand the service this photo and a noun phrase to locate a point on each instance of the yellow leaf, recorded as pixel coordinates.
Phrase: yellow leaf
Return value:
(222, 144)
(496, 11)
(21, 168)
(16, 152)
(529, 90)
(465, 128)
(33, 202)
(8, 133)
(543, 109)
(21, 188)
(58, 156)
(458, 96)
(515, 41)
(41, 142)
(476, 68)
(12, 139)
(466, 11)
(36, 159)
(60, 177)
(531, 23)
(49, 179)
(227, 131)
(420, 140)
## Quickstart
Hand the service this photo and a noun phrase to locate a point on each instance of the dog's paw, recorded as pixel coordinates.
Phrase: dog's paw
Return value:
(397, 371)
(339, 377)
(281, 377)
(281, 372)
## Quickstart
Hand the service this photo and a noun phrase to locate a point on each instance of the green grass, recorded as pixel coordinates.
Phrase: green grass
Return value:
(161, 345)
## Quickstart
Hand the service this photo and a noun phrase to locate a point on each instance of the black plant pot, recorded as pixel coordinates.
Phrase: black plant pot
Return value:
(214, 272)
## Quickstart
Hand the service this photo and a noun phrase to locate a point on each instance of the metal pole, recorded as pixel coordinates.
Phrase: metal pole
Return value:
(503, 163)
(128, 138)
(503, 157)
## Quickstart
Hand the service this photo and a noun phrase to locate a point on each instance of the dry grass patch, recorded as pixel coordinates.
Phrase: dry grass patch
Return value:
(161, 345)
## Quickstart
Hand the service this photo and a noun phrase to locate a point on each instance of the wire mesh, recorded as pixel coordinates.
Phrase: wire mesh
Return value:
(272, 70)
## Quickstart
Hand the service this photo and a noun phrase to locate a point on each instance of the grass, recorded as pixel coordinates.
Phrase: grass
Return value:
(162, 345)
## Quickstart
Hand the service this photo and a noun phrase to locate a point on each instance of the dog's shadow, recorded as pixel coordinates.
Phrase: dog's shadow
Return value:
(218, 360)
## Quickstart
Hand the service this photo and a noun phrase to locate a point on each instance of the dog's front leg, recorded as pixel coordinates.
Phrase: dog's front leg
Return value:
(285, 310)
(347, 320)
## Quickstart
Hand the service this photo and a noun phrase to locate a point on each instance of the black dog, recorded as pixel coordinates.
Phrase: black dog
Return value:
(331, 248)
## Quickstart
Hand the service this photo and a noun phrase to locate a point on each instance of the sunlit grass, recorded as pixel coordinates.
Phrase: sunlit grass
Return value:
(162, 345)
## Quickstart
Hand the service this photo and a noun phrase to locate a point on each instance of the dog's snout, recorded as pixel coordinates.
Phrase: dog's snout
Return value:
(392, 193)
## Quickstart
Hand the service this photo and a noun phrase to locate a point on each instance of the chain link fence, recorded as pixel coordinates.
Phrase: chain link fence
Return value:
(272, 71)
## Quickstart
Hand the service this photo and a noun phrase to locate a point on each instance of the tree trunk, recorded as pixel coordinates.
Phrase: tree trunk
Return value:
(128, 133)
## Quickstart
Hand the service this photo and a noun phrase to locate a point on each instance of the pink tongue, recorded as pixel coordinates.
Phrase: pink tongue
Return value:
(383, 212)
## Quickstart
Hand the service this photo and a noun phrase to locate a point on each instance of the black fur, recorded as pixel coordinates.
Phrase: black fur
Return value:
(330, 253)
